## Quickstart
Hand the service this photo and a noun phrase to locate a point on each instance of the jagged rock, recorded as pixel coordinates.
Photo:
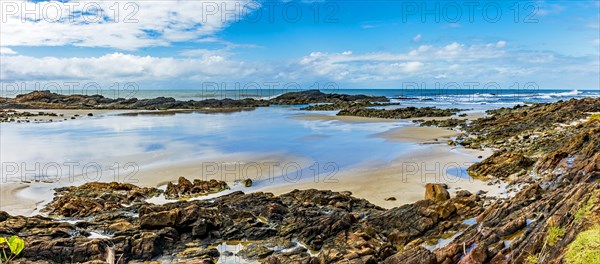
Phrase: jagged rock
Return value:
(255, 251)
(501, 165)
(96, 198)
(159, 219)
(398, 113)
(436, 192)
(417, 255)
(184, 188)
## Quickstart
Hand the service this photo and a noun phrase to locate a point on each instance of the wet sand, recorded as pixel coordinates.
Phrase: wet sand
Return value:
(11, 202)
(404, 178)
(418, 134)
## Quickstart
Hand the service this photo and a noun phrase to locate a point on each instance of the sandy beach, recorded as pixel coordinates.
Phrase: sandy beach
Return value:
(20, 199)
(418, 134)
(404, 178)
(10, 201)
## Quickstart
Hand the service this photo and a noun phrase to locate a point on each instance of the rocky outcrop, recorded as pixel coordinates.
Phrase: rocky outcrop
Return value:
(186, 189)
(96, 197)
(399, 113)
(344, 105)
(49, 100)
(450, 123)
(502, 165)
(316, 96)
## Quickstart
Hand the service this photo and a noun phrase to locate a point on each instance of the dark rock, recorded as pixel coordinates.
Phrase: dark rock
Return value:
(417, 255)
(185, 189)
(247, 183)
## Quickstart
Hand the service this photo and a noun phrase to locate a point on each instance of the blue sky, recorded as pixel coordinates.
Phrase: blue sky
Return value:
(355, 44)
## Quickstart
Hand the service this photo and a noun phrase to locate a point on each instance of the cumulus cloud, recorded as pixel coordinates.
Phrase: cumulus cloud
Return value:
(119, 66)
(116, 24)
(7, 51)
(452, 62)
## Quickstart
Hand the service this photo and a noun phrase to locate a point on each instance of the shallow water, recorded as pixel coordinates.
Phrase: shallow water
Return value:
(112, 147)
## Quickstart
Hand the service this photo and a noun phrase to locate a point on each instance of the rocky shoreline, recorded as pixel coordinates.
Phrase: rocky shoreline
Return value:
(350, 105)
(548, 153)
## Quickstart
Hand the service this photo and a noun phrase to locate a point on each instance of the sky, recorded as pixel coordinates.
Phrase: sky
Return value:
(160, 44)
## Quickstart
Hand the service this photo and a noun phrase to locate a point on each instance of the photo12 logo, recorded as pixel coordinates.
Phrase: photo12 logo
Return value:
(469, 91)
(114, 90)
(132, 11)
(70, 171)
(70, 11)
(259, 90)
(469, 11)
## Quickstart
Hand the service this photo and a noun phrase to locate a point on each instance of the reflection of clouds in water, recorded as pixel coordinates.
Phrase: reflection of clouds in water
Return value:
(341, 126)
(160, 140)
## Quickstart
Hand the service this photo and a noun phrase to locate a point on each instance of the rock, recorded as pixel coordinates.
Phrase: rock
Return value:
(146, 246)
(316, 96)
(90, 114)
(436, 192)
(501, 165)
(49, 100)
(398, 113)
(159, 219)
(417, 255)
(185, 189)
(247, 183)
(463, 193)
(255, 251)
(96, 198)
(390, 199)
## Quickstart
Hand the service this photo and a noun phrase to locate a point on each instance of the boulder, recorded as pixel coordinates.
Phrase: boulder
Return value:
(436, 192)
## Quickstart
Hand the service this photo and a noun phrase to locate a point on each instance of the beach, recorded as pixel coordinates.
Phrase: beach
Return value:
(279, 183)
(403, 178)
(374, 183)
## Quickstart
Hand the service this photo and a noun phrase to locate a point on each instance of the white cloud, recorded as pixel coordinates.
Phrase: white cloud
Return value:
(453, 62)
(7, 51)
(121, 66)
(116, 24)
(417, 38)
